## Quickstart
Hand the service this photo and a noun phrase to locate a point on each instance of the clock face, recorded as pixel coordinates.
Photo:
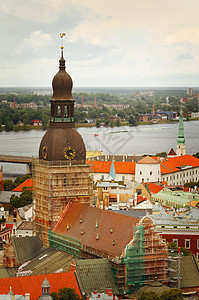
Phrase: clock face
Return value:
(44, 152)
(69, 153)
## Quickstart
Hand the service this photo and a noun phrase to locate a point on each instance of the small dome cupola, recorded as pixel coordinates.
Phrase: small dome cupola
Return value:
(62, 83)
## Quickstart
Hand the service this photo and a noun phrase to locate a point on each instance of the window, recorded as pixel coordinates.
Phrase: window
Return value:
(197, 244)
(175, 241)
(162, 226)
(187, 244)
(105, 188)
(123, 177)
(177, 176)
(140, 172)
(197, 256)
(187, 173)
(139, 192)
(102, 177)
(174, 177)
(151, 172)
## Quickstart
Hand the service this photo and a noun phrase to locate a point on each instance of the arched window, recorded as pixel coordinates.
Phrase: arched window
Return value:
(58, 111)
(65, 111)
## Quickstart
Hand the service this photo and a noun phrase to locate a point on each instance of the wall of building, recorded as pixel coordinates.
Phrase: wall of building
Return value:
(147, 172)
(183, 176)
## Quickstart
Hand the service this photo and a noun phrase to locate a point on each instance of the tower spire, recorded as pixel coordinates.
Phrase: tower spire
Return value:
(180, 140)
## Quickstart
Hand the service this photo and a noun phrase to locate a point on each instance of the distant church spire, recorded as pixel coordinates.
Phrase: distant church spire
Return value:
(181, 150)
(112, 174)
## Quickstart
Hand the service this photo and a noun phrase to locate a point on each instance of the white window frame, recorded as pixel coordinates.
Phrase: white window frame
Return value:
(175, 241)
(189, 241)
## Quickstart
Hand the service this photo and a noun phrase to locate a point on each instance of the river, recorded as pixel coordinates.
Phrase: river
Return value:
(143, 139)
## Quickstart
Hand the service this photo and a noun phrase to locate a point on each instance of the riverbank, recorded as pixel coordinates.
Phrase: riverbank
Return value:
(89, 125)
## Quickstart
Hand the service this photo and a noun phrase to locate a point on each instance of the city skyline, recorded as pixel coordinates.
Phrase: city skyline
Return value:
(128, 43)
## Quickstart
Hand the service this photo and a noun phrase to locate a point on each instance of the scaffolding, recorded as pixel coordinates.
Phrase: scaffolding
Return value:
(55, 185)
(146, 257)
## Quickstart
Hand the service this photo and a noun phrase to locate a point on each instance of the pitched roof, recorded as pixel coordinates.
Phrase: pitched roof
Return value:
(27, 183)
(32, 284)
(25, 225)
(50, 260)
(95, 274)
(105, 166)
(26, 248)
(174, 164)
(148, 160)
(154, 188)
(171, 152)
(97, 222)
(189, 272)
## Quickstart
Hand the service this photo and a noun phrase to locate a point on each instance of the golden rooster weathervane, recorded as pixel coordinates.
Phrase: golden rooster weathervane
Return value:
(61, 36)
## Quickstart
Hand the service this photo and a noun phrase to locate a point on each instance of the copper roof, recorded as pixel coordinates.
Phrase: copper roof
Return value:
(100, 229)
(148, 160)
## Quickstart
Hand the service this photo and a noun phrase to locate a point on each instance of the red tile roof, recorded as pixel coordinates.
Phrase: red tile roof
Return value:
(174, 164)
(148, 160)
(120, 167)
(27, 183)
(154, 188)
(122, 227)
(32, 284)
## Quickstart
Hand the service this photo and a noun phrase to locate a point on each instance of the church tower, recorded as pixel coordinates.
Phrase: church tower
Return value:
(181, 148)
(60, 175)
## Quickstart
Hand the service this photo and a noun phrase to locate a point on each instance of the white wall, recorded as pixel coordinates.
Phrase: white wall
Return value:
(147, 172)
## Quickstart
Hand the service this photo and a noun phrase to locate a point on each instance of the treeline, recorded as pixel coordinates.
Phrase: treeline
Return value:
(107, 110)
(10, 117)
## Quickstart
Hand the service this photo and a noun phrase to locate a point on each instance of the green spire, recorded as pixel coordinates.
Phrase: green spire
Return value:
(112, 174)
(181, 139)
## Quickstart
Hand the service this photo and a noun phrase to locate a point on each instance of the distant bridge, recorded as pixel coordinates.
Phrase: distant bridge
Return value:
(14, 159)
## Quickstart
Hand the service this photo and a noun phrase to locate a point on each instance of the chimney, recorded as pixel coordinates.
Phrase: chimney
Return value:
(95, 102)
(27, 296)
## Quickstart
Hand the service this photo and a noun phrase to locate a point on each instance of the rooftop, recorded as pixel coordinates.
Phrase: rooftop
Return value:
(32, 284)
(105, 166)
(94, 230)
(176, 198)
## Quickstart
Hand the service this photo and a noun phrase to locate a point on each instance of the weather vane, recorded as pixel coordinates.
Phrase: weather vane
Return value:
(61, 36)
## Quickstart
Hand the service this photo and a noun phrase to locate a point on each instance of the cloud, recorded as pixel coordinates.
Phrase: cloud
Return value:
(188, 35)
(37, 40)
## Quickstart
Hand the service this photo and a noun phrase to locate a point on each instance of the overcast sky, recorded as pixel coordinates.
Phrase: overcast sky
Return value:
(108, 42)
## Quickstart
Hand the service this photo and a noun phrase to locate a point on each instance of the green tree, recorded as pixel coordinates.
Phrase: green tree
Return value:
(8, 185)
(24, 199)
(196, 155)
(161, 154)
(106, 122)
(8, 124)
(185, 251)
(111, 123)
(149, 296)
(14, 200)
(132, 121)
(65, 294)
(117, 123)
(172, 294)
(20, 179)
(98, 123)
